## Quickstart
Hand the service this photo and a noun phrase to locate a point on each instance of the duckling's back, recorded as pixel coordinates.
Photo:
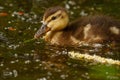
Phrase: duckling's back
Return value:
(95, 29)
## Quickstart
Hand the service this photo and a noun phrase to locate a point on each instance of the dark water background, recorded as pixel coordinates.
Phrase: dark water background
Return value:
(37, 60)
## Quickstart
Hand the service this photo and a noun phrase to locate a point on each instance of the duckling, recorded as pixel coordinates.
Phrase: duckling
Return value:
(90, 29)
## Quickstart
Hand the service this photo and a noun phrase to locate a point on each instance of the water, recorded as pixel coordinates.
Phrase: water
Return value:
(22, 58)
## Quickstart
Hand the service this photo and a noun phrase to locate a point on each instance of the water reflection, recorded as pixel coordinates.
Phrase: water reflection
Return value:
(37, 60)
(52, 62)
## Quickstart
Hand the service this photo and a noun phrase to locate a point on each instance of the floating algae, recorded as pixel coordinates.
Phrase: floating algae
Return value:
(93, 58)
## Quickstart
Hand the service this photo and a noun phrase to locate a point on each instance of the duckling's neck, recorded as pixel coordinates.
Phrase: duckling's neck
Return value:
(53, 37)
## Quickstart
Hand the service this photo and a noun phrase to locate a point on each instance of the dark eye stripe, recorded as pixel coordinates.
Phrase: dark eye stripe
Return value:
(54, 17)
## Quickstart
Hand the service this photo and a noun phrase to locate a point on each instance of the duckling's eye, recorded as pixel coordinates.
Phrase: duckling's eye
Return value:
(54, 17)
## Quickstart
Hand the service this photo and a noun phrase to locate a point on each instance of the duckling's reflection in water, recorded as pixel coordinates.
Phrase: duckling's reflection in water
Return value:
(90, 29)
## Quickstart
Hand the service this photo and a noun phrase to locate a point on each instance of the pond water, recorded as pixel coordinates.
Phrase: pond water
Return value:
(22, 58)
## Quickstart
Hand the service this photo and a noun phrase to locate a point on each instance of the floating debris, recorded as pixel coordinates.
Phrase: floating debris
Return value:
(1, 7)
(7, 73)
(27, 61)
(44, 78)
(15, 73)
(93, 58)
(11, 29)
(3, 14)
(1, 64)
(3, 38)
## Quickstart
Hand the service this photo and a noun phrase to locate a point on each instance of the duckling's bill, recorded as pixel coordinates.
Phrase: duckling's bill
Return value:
(42, 30)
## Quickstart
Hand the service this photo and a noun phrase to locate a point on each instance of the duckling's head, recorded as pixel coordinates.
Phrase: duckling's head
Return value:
(54, 19)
